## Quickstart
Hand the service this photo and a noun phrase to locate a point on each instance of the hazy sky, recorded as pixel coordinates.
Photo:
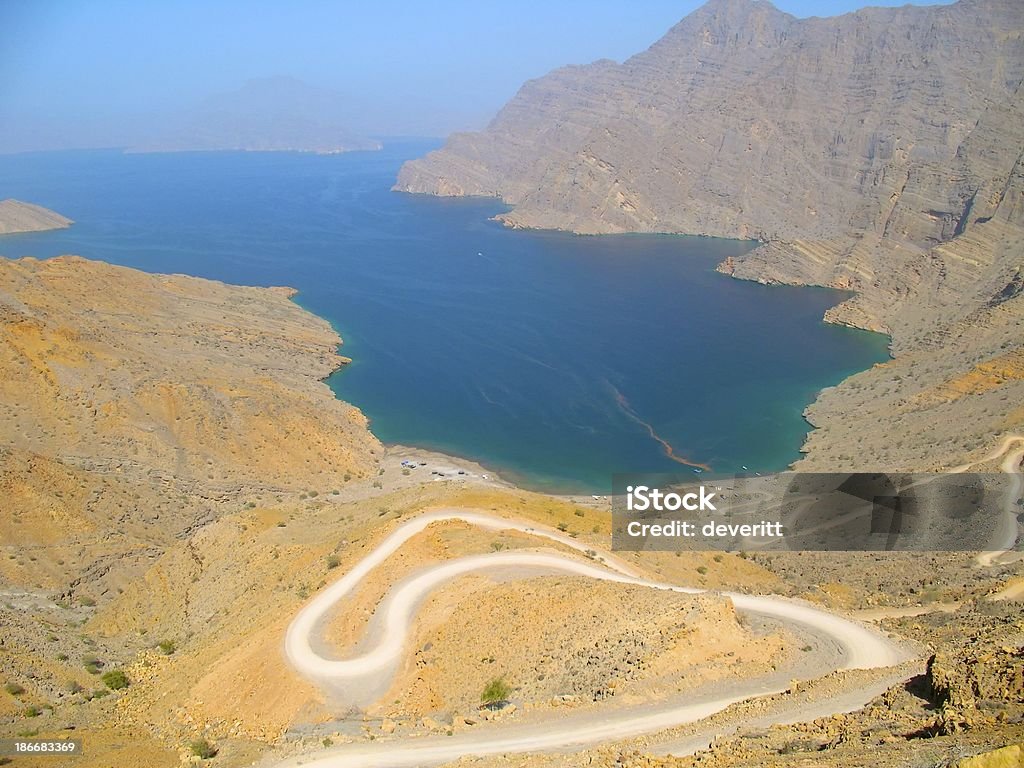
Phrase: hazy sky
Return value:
(417, 67)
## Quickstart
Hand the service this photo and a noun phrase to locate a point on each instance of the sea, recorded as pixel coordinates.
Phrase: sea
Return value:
(554, 359)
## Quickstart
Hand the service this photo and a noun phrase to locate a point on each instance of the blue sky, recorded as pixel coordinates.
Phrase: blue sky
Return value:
(420, 67)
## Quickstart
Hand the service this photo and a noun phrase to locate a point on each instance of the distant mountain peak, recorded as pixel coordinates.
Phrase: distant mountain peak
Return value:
(738, 6)
(739, 10)
(729, 23)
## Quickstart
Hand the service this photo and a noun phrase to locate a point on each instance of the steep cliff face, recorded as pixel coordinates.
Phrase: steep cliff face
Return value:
(743, 121)
(878, 152)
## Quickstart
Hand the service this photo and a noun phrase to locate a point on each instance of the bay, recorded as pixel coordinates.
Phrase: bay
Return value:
(554, 359)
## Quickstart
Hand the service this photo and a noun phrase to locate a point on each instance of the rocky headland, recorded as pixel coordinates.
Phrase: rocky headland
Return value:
(16, 216)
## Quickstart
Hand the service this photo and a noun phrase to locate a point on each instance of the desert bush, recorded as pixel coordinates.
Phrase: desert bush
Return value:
(202, 749)
(115, 680)
(496, 691)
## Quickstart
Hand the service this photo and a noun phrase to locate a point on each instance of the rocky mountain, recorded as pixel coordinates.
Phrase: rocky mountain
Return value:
(266, 114)
(16, 216)
(878, 152)
(744, 121)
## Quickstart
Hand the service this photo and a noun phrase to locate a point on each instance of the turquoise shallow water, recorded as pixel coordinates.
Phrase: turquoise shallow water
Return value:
(548, 357)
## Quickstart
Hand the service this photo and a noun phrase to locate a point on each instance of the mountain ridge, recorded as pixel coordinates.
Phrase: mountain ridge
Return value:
(561, 151)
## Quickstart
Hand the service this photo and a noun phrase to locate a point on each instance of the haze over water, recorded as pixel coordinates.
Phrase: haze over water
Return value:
(556, 360)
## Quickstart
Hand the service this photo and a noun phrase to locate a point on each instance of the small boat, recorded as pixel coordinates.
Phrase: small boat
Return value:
(697, 471)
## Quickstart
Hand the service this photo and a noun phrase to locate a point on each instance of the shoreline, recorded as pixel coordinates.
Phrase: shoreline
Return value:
(445, 467)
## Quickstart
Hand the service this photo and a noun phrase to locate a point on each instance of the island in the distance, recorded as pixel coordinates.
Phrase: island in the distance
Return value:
(271, 114)
(16, 216)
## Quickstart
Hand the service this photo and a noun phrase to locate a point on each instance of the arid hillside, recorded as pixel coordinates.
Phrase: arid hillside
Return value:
(120, 387)
(179, 483)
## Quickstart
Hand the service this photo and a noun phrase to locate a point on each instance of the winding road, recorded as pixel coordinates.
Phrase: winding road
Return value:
(1011, 465)
(861, 648)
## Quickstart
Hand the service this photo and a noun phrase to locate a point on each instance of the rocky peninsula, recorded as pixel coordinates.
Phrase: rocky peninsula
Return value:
(16, 216)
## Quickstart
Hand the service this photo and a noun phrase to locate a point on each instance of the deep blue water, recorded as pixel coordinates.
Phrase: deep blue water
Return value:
(508, 347)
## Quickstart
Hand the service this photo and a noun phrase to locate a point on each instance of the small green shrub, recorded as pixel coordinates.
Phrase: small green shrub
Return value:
(115, 680)
(496, 691)
(333, 561)
(203, 749)
(167, 647)
(14, 689)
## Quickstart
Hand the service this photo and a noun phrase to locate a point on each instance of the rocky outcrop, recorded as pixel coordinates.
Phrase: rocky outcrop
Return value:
(972, 688)
(16, 216)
